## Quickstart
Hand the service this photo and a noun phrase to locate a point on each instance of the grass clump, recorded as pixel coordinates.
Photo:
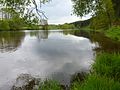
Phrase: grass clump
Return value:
(96, 82)
(108, 65)
(114, 33)
(49, 85)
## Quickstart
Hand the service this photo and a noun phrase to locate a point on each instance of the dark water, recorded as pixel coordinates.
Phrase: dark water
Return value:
(49, 54)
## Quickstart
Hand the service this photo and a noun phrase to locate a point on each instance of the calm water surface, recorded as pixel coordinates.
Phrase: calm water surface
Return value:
(47, 54)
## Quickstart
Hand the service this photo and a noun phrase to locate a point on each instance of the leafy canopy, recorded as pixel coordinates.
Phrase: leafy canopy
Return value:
(24, 7)
(84, 7)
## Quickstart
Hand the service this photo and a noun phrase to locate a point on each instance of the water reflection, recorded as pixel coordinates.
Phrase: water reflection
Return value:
(101, 42)
(40, 34)
(105, 44)
(10, 41)
(46, 54)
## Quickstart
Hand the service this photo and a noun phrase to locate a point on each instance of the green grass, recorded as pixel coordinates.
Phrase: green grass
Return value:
(96, 82)
(113, 33)
(108, 65)
(49, 85)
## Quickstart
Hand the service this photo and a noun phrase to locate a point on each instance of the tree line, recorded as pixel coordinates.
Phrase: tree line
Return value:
(21, 13)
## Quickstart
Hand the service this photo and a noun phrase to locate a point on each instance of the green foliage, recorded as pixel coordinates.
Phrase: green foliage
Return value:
(32, 27)
(24, 9)
(108, 65)
(16, 23)
(49, 85)
(104, 17)
(102, 11)
(96, 82)
(51, 27)
(83, 7)
(4, 25)
(21, 5)
(67, 26)
(62, 26)
(114, 33)
(116, 7)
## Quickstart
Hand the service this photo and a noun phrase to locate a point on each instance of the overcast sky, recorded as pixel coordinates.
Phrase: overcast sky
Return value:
(59, 12)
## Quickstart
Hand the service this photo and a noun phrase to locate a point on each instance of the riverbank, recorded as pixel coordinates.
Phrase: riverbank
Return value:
(104, 75)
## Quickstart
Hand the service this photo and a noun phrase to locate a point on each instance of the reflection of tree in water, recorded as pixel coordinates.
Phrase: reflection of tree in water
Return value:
(105, 44)
(40, 34)
(100, 40)
(79, 33)
(10, 41)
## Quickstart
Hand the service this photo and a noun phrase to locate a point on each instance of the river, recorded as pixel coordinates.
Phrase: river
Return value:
(55, 54)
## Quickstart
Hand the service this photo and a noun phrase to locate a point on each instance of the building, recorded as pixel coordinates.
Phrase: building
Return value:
(3, 14)
(43, 22)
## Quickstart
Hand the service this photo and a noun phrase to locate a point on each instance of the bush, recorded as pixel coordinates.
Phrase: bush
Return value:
(16, 23)
(4, 25)
(67, 26)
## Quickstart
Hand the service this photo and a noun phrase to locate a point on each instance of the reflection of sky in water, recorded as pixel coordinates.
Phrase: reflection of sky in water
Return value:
(60, 54)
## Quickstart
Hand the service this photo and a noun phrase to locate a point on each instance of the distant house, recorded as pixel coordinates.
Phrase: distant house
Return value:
(3, 14)
(43, 22)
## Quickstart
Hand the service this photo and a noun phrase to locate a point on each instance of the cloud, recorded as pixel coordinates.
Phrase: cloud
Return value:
(59, 12)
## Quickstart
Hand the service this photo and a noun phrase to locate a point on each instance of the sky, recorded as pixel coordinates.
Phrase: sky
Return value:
(59, 12)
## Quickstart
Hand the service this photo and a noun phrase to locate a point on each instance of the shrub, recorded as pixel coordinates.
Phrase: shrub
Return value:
(4, 25)
(16, 24)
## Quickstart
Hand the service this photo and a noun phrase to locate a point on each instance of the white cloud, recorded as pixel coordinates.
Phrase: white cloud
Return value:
(59, 12)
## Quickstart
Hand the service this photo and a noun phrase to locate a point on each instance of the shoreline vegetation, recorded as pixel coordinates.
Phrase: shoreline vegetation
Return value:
(15, 25)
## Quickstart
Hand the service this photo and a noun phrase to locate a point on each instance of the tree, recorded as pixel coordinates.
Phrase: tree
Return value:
(116, 7)
(24, 7)
(97, 8)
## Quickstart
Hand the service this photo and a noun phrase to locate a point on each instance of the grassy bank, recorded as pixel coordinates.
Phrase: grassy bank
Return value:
(113, 33)
(105, 75)
(96, 82)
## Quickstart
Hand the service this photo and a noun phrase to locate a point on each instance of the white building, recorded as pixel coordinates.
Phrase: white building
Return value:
(3, 14)
(43, 22)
